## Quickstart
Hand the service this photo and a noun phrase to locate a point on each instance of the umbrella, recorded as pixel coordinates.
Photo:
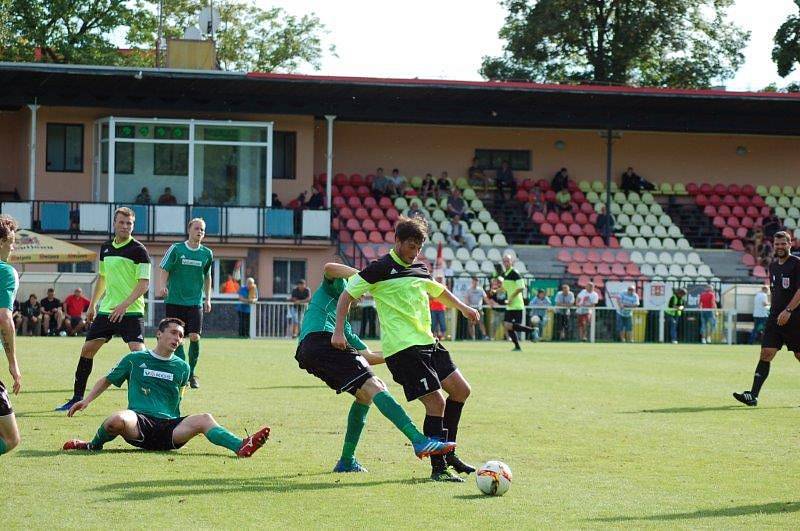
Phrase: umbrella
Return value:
(33, 248)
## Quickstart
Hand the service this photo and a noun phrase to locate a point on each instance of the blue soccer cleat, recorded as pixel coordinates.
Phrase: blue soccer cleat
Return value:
(65, 407)
(348, 466)
(428, 447)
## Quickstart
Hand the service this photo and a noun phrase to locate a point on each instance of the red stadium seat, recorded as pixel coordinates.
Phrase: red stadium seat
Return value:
(720, 189)
(567, 218)
(592, 256)
(758, 201)
(589, 230)
(554, 241)
(348, 191)
(765, 211)
(575, 230)
(583, 280)
(564, 256)
(618, 270)
(561, 229)
(603, 269)
(389, 237)
(345, 213)
(598, 243)
(339, 202)
(608, 257)
(747, 222)
(363, 191)
(701, 200)
(569, 241)
(322, 178)
(356, 179)
(368, 181)
(710, 211)
(743, 200)
(587, 208)
(578, 197)
(733, 222)
(384, 225)
(369, 252)
(584, 242)
(728, 233)
(623, 257)
(368, 225)
(521, 196)
(724, 211)
(715, 200)
(574, 269)
(581, 218)
(546, 229)
(752, 212)
(552, 218)
(706, 189)
(572, 186)
(734, 189)
(527, 184)
(748, 260)
(385, 203)
(718, 222)
(335, 192)
(336, 224)
(692, 189)
(345, 236)
(748, 190)
(353, 225)
(340, 179)
(579, 256)
(737, 211)
(376, 214)
(392, 214)
(729, 200)
(375, 237)
(361, 214)
(359, 237)
(354, 202)
(593, 217)
(589, 268)
(369, 202)
(632, 269)
(538, 218)
(613, 243)
(741, 232)
(543, 184)
(550, 196)
(737, 245)
(759, 271)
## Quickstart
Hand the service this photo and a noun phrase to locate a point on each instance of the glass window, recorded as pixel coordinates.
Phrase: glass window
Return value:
(229, 175)
(491, 159)
(223, 133)
(170, 159)
(76, 267)
(124, 158)
(285, 274)
(64, 147)
(284, 153)
(228, 275)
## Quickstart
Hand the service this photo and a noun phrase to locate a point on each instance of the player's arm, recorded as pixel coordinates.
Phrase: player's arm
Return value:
(141, 288)
(338, 339)
(783, 317)
(450, 300)
(9, 345)
(163, 279)
(97, 294)
(207, 290)
(98, 389)
(373, 358)
(334, 270)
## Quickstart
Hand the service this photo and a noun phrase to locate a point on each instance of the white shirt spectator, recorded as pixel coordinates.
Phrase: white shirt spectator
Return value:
(761, 305)
(586, 301)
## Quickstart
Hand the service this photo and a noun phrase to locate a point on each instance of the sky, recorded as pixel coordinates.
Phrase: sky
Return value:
(447, 39)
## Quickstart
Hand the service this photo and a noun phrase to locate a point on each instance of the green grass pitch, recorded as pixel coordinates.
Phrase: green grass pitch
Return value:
(596, 436)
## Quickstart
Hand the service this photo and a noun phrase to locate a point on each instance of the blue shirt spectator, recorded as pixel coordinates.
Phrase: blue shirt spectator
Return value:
(627, 301)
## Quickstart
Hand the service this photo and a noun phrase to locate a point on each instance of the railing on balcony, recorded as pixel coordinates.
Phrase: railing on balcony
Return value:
(82, 218)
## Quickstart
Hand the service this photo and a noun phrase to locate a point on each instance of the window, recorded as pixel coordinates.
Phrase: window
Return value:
(65, 147)
(123, 158)
(284, 151)
(170, 159)
(219, 277)
(491, 159)
(76, 267)
(285, 274)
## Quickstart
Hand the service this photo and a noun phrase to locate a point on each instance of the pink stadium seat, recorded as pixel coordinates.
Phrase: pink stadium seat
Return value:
(568, 241)
(356, 179)
(362, 191)
(608, 257)
(384, 225)
(347, 191)
(550, 196)
(392, 214)
(389, 237)
(564, 256)
(724, 211)
(368, 225)
(748, 190)
(692, 188)
(710, 211)
(345, 213)
(747, 222)
(706, 189)
(632, 269)
(619, 270)
(368, 181)
(584, 242)
(335, 192)
(375, 237)
(748, 260)
(574, 269)
(599, 283)
(339, 202)
(729, 200)
(715, 200)
(752, 212)
(543, 184)
(369, 252)
(359, 237)
(546, 229)
(345, 237)
(369, 202)
(361, 214)
(589, 268)
(613, 242)
(566, 218)
(598, 243)
(623, 257)
(322, 178)
(354, 202)
(765, 211)
(579, 197)
(733, 222)
(587, 208)
(561, 229)
(521, 196)
(554, 241)
(376, 214)
(743, 200)
(758, 201)
(701, 200)
(734, 189)
(575, 230)
(583, 280)
(383, 249)
(592, 256)
(741, 232)
(538, 218)
(603, 269)
(589, 230)
(527, 184)
(572, 186)
(718, 222)
(592, 216)
(340, 179)
(737, 211)
(353, 225)
(759, 271)
(336, 224)
(552, 218)
(728, 233)
(581, 218)
(720, 189)
(411, 193)
(579, 256)
(385, 203)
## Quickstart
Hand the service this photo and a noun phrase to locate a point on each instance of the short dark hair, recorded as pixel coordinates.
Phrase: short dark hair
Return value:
(783, 235)
(50, 290)
(164, 323)
(395, 170)
(7, 226)
(415, 229)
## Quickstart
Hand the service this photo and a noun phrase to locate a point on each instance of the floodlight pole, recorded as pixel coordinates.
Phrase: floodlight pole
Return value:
(329, 168)
(609, 150)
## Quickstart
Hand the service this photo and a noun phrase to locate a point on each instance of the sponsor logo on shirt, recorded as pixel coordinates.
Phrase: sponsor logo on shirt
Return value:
(190, 262)
(158, 374)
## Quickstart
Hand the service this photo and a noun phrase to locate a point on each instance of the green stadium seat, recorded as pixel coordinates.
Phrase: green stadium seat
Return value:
(617, 210)
(642, 209)
(790, 223)
(439, 215)
(656, 209)
(400, 203)
(431, 204)
(493, 255)
(447, 253)
(416, 182)
(484, 216)
(437, 238)
(669, 243)
(673, 231)
(784, 201)
(598, 186)
(788, 191)
(462, 183)
(646, 231)
(443, 203)
(476, 227)
(432, 226)
(499, 240)
(476, 205)
(683, 244)
(652, 220)
(663, 219)
(484, 240)
(493, 228)
(430, 252)
(592, 197)
(771, 201)
(462, 253)
(469, 195)
(659, 231)
(793, 212)
(585, 186)
(444, 227)
(665, 258)
(478, 254)
(472, 267)
(626, 243)
(762, 190)
(797, 191)
(634, 198)
(629, 209)
(775, 191)
(622, 220)
(666, 188)
(796, 201)
(632, 231)
(679, 189)
(637, 220)
(488, 268)
(640, 243)
(602, 197)
(619, 197)
(614, 186)
(456, 266)
(647, 198)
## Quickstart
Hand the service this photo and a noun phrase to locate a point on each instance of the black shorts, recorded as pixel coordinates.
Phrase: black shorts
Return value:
(75, 321)
(420, 369)
(155, 434)
(513, 316)
(191, 315)
(5, 402)
(342, 370)
(776, 336)
(129, 328)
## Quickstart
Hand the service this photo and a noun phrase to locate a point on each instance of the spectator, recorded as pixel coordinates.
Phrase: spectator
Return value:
(565, 300)
(415, 211)
(368, 317)
(248, 295)
(625, 304)
(16, 315)
(428, 188)
(564, 201)
(382, 185)
(674, 311)
(536, 202)
(504, 179)
(760, 313)
(443, 185)
(497, 301)
(317, 201)
(605, 220)
(31, 312)
(476, 175)
(708, 317)
(457, 236)
(456, 206)
(539, 305)
(75, 308)
(230, 285)
(52, 313)
(438, 318)
(771, 225)
(630, 181)
(586, 301)
(143, 198)
(204, 198)
(399, 182)
(276, 202)
(475, 298)
(167, 198)
(560, 180)
(300, 296)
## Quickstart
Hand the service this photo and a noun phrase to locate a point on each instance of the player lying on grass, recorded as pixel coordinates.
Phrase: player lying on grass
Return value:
(402, 288)
(9, 283)
(350, 371)
(156, 380)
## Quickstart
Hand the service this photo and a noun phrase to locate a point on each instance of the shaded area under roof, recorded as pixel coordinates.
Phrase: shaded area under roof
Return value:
(399, 100)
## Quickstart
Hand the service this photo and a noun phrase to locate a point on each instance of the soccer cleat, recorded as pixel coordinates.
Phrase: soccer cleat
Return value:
(251, 443)
(746, 398)
(76, 444)
(446, 476)
(68, 404)
(351, 466)
(457, 464)
(193, 383)
(516, 349)
(428, 447)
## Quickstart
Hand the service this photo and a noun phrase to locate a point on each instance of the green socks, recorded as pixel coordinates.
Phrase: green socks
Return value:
(356, 420)
(222, 437)
(180, 353)
(3, 447)
(393, 411)
(101, 437)
(194, 353)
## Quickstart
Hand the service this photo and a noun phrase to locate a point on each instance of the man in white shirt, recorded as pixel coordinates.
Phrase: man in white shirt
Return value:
(760, 313)
(586, 301)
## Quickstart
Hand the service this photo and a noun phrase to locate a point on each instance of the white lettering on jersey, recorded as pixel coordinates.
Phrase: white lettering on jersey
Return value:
(190, 262)
(159, 374)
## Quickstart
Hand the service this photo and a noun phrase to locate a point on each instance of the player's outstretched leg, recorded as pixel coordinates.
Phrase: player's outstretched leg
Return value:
(356, 420)
(750, 398)
(82, 372)
(9, 433)
(194, 354)
(204, 423)
(458, 390)
(123, 423)
(433, 427)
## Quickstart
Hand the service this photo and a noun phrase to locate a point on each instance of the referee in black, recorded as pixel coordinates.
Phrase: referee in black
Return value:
(783, 323)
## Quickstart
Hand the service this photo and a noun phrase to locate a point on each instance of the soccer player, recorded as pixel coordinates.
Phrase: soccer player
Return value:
(9, 283)
(350, 371)
(401, 287)
(156, 379)
(515, 307)
(185, 274)
(123, 280)
(783, 323)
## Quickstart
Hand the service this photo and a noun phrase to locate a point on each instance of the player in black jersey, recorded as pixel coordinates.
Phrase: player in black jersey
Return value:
(783, 323)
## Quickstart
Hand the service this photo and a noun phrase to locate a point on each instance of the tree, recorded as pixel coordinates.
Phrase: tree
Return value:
(786, 52)
(675, 43)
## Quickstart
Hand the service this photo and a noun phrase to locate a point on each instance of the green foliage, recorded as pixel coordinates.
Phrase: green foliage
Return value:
(786, 52)
(676, 43)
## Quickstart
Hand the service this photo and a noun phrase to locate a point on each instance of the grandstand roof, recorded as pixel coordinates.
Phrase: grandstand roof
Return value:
(486, 103)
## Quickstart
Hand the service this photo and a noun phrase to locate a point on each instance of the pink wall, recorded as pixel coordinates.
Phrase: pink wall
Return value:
(14, 150)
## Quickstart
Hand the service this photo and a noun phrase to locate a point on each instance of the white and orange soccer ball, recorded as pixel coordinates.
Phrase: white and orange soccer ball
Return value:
(493, 478)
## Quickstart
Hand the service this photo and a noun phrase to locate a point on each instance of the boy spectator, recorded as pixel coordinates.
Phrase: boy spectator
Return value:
(75, 308)
(31, 312)
(276, 202)
(167, 198)
(504, 179)
(428, 188)
(382, 185)
(442, 185)
(316, 202)
(143, 198)
(52, 313)
(458, 237)
(625, 304)
(565, 300)
(708, 317)
(586, 301)
(604, 220)
(415, 211)
(536, 202)
(539, 305)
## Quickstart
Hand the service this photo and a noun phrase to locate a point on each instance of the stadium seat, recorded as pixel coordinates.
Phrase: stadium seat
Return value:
(368, 225)
(499, 240)
(375, 237)
(647, 270)
(463, 254)
(469, 195)
(660, 232)
(438, 237)
(439, 215)
(666, 189)
(430, 252)
(632, 231)
(759, 271)
(679, 189)
(484, 240)
(476, 227)
(661, 270)
(493, 228)
(669, 244)
(650, 257)
(676, 271)
(654, 243)
(400, 203)
(359, 237)
(589, 268)
(345, 236)
(632, 270)
(704, 271)
(493, 255)
(488, 268)
(456, 266)
(626, 243)
(568, 241)
(552, 241)
(583, 241)
(484, 216)
(665, 258)
(737, 245)
(478, 254)
(646, 231)
(683, 244)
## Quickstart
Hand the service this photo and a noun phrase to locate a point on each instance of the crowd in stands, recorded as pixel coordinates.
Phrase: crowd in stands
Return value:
(50, 316)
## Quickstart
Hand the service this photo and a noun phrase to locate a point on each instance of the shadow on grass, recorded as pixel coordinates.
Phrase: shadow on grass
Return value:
(66, 392)
(54, 414)
(473, 496)
(702, 409)
(115, 451)
(724, 512)
(287, 387)
(154, 489)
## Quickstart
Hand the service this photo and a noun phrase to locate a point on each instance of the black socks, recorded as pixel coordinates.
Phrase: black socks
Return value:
(452, 415)
(433, 427)
(762, 371)
(522, 328)
(81, 377)
(513, 335)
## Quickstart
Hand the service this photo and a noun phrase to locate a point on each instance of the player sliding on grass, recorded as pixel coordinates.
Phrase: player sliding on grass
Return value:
(156, 379)
(9, 283)
(783, 323)
(350, 371)
(401, 288)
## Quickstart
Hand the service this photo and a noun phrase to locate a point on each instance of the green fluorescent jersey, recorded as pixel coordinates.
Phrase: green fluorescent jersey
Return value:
(123, 265)
(401, 292)
(155, 384)
(320, 316)
(188, 269)
(9, 283)
(511, 283)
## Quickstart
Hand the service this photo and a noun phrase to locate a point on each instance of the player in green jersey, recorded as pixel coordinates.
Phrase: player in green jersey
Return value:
(350, 371)
(402, 288)
(185, 275)
(9, 283)
(514, 286)
(123, 280)
(156, 380)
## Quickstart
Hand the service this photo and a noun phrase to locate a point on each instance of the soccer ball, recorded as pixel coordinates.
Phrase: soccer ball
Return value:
(62, 333)
(493, 478)
(536, 320)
